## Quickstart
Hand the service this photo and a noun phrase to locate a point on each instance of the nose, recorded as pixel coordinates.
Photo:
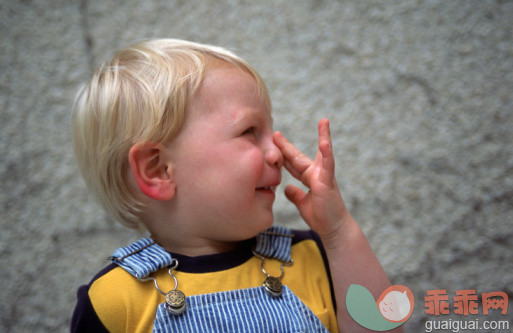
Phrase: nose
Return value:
(273, 156)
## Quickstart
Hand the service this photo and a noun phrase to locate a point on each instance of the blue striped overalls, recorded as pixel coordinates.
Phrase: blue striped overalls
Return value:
(242, 310)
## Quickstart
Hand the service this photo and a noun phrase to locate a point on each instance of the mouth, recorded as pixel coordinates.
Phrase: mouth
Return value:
(267, 189)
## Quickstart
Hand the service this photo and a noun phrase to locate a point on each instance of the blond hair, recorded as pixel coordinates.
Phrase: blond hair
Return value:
(140, 95)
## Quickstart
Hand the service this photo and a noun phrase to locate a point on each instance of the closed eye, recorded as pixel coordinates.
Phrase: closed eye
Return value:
(250, 131)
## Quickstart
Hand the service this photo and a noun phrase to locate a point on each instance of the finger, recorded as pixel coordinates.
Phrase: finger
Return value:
(288, 166)
(327, 159)
(324, 131)
(298, 162)
(295, 195)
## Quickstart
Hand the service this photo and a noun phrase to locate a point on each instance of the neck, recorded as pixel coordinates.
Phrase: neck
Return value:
(191, 247)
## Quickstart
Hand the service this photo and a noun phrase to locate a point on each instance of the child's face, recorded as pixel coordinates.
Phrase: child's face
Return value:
(226, 165)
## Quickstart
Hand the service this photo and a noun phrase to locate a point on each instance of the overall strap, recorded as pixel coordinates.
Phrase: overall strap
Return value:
(142, 258)
(275, 243)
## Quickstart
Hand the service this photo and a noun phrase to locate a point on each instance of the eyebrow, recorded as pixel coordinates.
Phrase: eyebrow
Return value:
(240, 115)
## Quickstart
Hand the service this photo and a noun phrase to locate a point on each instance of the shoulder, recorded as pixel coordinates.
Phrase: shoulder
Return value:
(85, 318)
(113, 299)
(310, 240)
(106, 303)
(303, 237)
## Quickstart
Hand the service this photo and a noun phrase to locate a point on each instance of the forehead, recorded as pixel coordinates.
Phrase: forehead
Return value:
(231, 89)
(225, 76)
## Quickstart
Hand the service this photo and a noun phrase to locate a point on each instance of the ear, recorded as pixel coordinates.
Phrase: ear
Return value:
(152, 172)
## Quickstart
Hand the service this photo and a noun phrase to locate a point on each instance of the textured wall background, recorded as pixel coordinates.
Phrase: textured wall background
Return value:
(419, 94)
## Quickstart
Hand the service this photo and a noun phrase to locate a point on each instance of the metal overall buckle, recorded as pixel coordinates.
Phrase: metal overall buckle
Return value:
(175, 299)
(272, 285)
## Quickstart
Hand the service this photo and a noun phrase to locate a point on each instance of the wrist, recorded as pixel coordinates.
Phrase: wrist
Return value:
(345, 229)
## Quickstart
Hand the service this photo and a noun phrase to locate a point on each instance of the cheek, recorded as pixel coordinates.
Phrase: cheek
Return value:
(226, 167)
(255, 162)
(239, 173)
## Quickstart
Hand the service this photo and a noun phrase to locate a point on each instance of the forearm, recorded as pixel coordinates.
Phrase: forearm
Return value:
(352, 261)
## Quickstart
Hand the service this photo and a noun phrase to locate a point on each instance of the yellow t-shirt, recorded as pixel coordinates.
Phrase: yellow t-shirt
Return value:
(121, 303)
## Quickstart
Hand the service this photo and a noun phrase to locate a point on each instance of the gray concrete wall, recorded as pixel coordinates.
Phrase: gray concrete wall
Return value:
(419, 94)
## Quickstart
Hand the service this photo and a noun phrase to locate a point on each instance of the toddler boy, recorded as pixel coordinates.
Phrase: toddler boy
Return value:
(177, 138)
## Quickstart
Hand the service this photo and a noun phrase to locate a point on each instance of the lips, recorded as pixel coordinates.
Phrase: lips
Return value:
(269, 184)
(267, 188)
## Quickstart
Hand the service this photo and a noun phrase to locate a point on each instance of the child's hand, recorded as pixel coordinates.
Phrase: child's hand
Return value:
(324, 211)
(322, 207)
